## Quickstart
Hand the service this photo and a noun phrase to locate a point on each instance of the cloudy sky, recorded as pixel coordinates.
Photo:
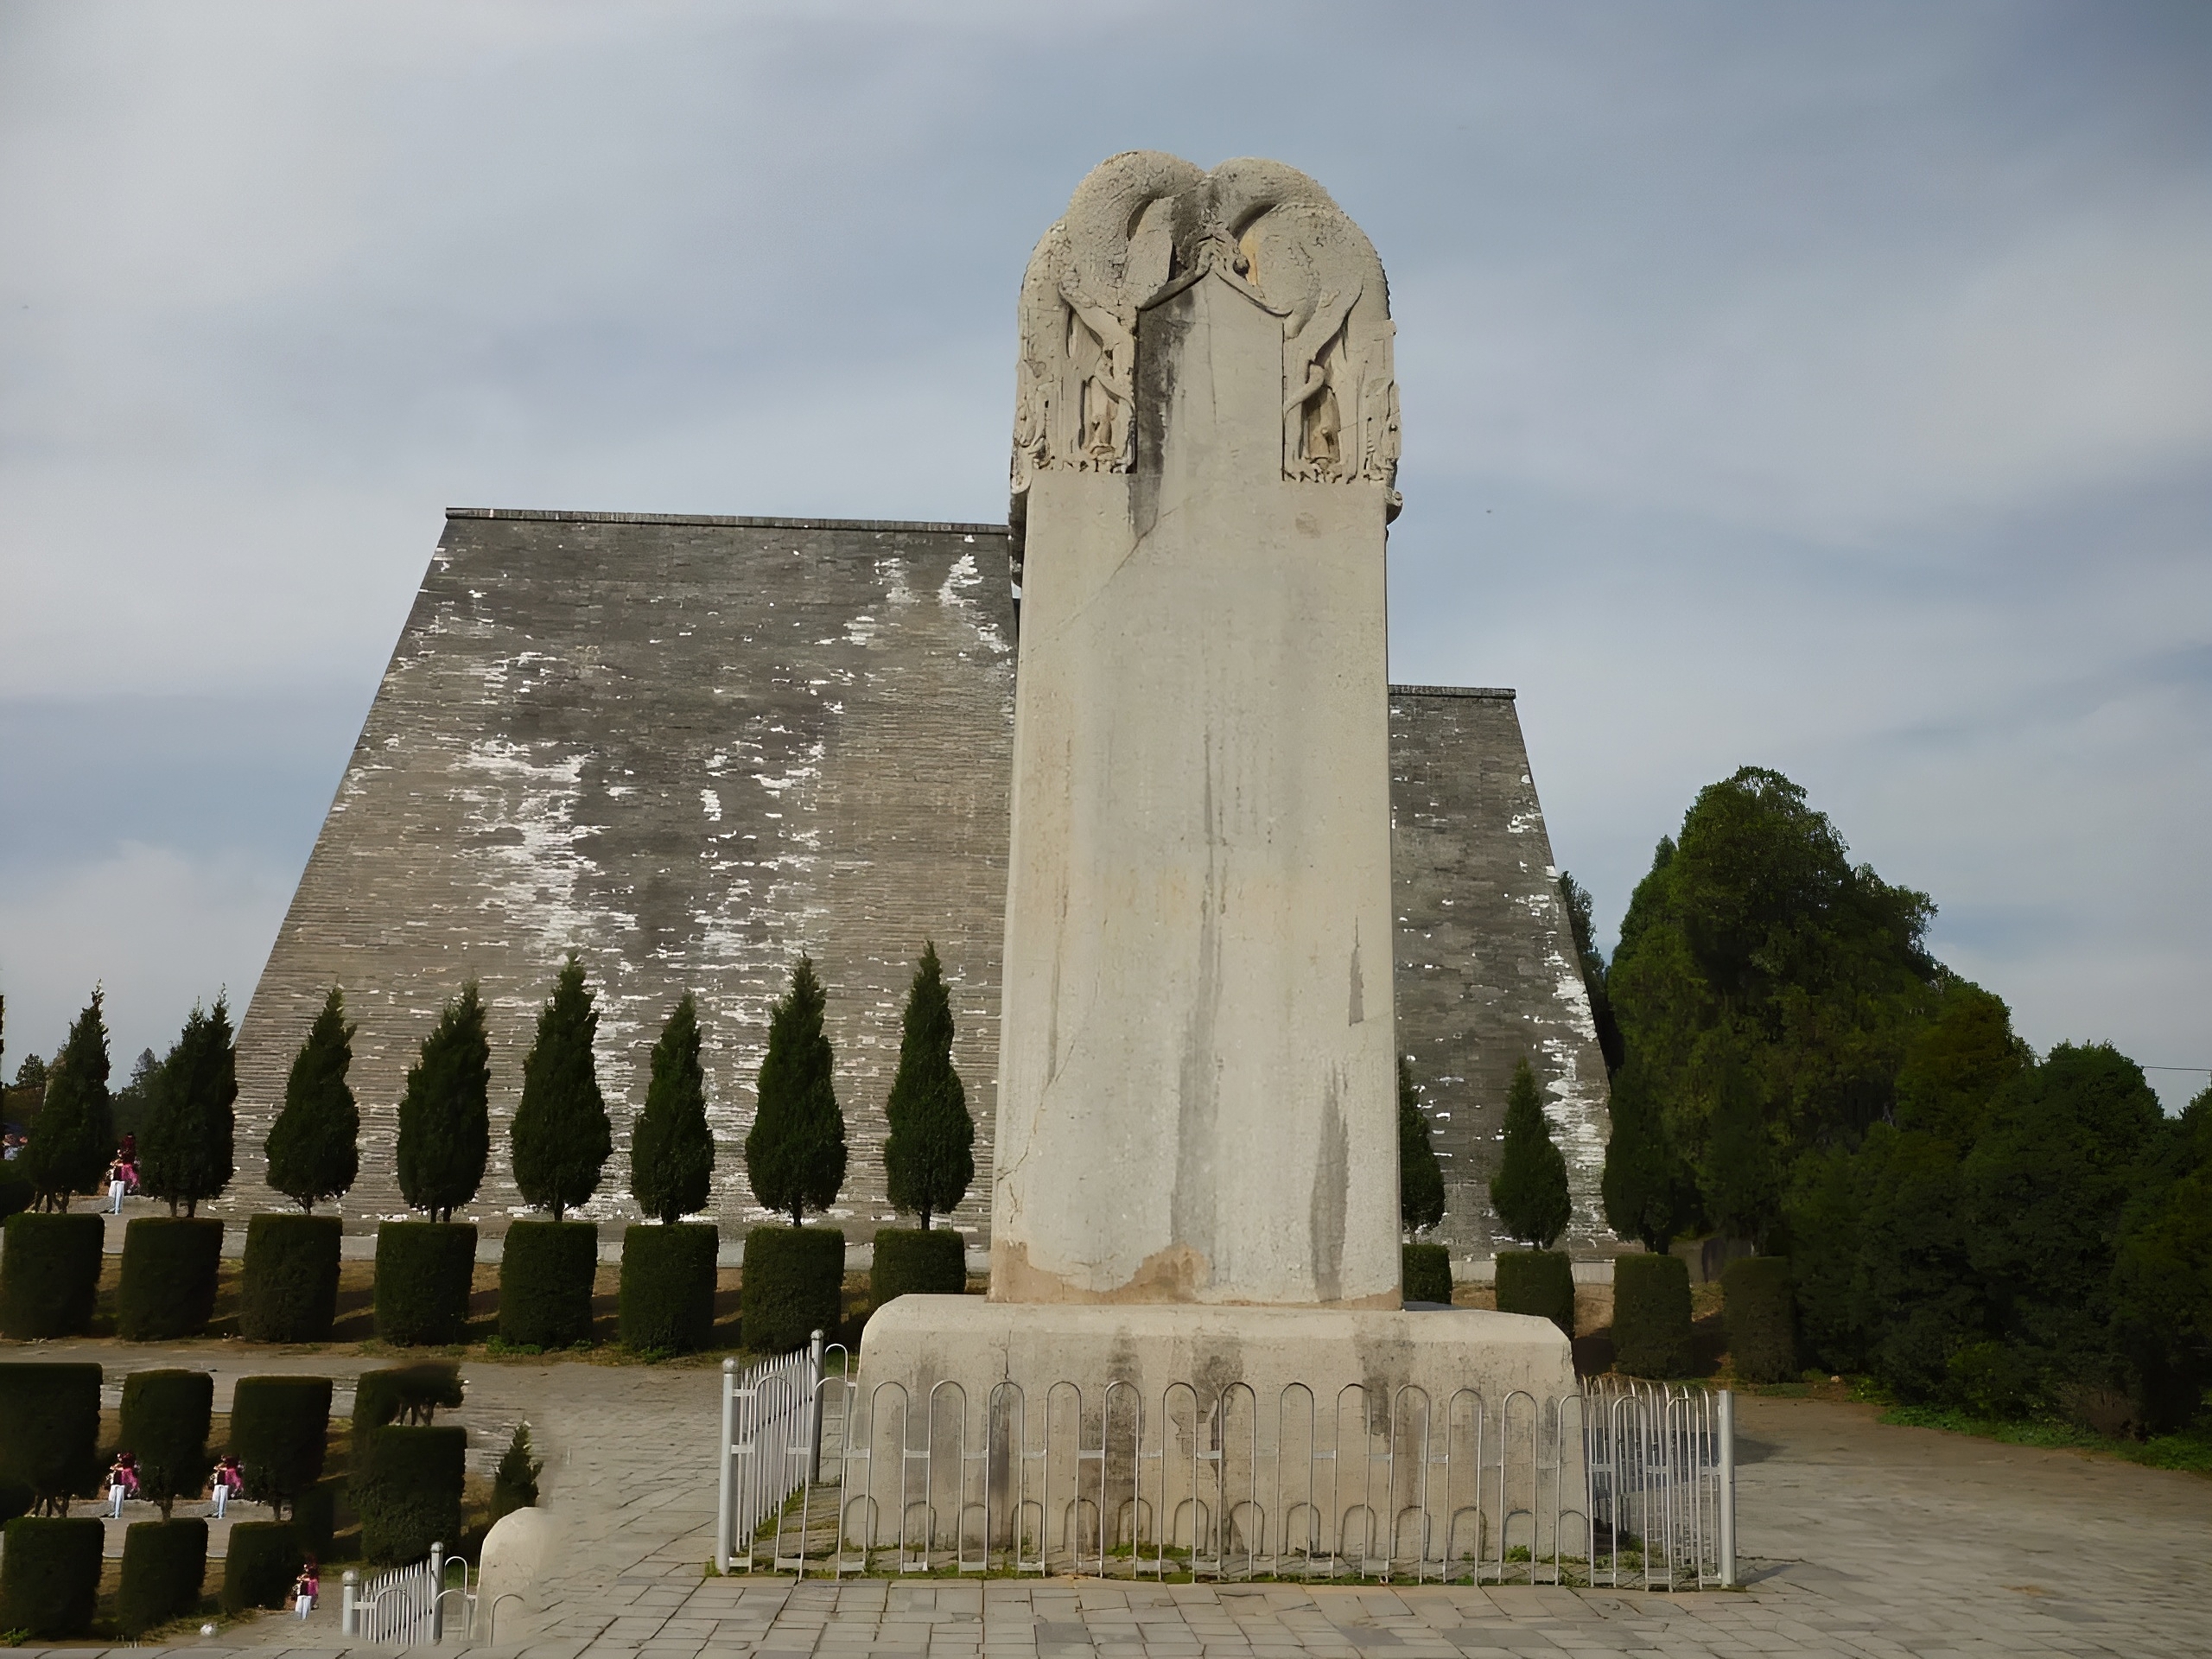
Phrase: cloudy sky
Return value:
(1827, 387)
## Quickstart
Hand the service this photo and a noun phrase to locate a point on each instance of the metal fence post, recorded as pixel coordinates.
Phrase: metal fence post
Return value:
(725, 1511)
(1727, 1404)
(438, 1590)
(814, 1409)
(349, 1615)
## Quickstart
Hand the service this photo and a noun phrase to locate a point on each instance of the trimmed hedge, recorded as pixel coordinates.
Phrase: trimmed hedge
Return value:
(1651, 1316)
(164, 1566)
(290, 1289)
(16, 1193)
(259, 1565)
(423, 1272)
(314, 1516)
(49, 1432)
(165, 1427)
(417, 1392)
(1758, 1304)
(169, 1264)
(49, 1273)
(917, 1261)
(278, 1425)
(668, 1286)
(50, 1575)
(545, 1278)
(407, 1488)
(1541, 1282)
(1426, 1272)
(794, 1278)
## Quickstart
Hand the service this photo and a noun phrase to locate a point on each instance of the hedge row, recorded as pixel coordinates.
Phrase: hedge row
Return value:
(545, 1276)
(49, 1273)
(1651, 1316)
(792, 1281)
(917, 1261)
(164, 1566)
(169, 1264)
(424, 1269)
(290, 1289)
(668, 1286)
(50, 1575)
(407, 1486)
(1539, 1283)
(1425, 1270)
(1758, 1304)
(49, 1452)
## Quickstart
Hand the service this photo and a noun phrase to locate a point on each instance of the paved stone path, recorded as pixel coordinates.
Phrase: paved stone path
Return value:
(1860, 1540)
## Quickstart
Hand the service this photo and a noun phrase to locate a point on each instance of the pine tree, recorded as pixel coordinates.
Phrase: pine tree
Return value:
(671, 1149)
(1421, 1180)
(445, 1126)
(1529, 1192)
(559, 1135)
(188, 1150)
(929, 1158)
(1646, 1187)
(72, 1137)
(314, 1146)
(795, 1154)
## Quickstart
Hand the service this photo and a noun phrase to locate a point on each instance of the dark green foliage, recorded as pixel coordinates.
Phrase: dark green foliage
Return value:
(1956, 1065)
(929, 1158)
(793, 1278)
(423, 1273)
(314, 1516)
(164, 1427)
(910, 1261)
(259, 1564)
(1576, 898)
(795, 1152)
(1424, 1272)
(560, 1135)
(1651, 1316)
(50, 1576)
(17, 1192)
(131, 1103)
(445, 1124)
(1421, 1179)
(187, 1152)
(1743, 1176)
(314, 1144)
(416, 1393)
(277, 1429)
(170, 1265)
(289, 1289)
(1647, 1188)
(545, 1274)
(668, 1286)
(49, 1433)
(514, 1483)
(407, 1489)
(164, 1564)
(72, 1137)
(1761, 1313)
(671, 1149)
(1529, 1192)
(49, 1274)
(2162, 1299)
(1541, 1282)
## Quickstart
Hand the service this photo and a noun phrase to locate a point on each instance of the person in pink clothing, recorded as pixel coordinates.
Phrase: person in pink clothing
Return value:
(226, 1484)
(305, 1588)
(122, 1481)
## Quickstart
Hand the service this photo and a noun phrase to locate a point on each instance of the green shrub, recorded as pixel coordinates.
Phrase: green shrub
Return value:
(15, 1193)
(545, 1277)
(1760, 1308)
(50, 1575)
(423, 1272)
(1541, 1282)
(1425, 1270)
(668, 1286)
(259, 1565)
(514, 1484)
(165, 1428)
(49, 1273)
(314, 1516)
(169, 1264)
(910, 1261)
(1651, 1315)
(415, 1393)
(407, 1488)
(164, 1564)
(278, 1425)
(793, 1277)
(49, 1432)
(290, 1291)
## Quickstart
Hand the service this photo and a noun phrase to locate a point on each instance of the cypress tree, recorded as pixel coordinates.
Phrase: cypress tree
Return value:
(1529, 1192)
(559, 1135)
(72, 1137)
(314, 1150)
(671, 1149)
(445, 1126)
(1421, 1180)
(1741, 1179)
(1646, 1187)
(187, 1152)
(795, 1153)
(928, 1157)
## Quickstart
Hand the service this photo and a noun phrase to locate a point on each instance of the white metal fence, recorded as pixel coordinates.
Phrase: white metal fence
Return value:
(1627, 1485)
(410, 1605)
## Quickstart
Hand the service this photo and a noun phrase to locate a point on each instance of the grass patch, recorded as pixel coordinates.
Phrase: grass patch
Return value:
(2191, 1453)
